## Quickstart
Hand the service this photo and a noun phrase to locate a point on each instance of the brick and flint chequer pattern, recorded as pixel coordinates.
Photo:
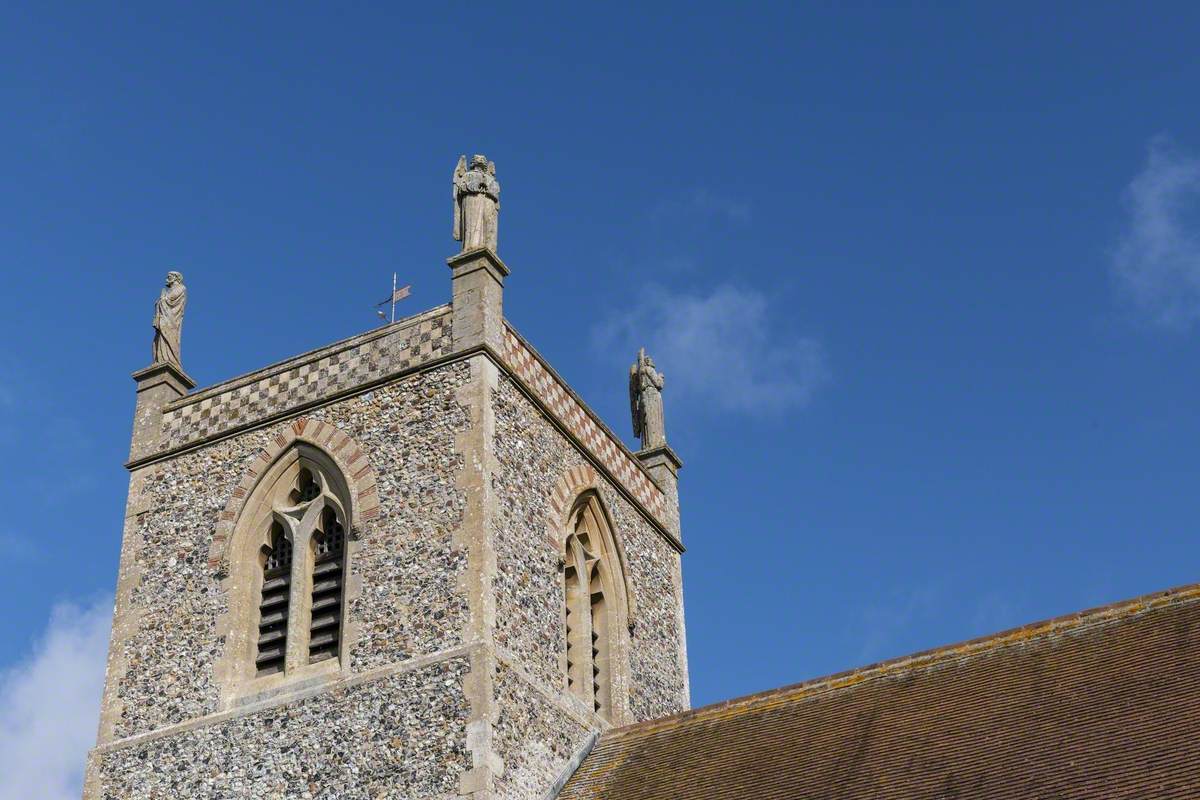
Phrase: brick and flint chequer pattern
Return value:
(308, 378)
(570, 412)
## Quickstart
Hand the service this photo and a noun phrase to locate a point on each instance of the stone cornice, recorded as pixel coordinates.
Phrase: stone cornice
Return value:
(480, 258)
(164, 372)
(662, 453)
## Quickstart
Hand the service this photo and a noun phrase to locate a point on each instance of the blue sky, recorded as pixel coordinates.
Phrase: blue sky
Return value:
(925, 283)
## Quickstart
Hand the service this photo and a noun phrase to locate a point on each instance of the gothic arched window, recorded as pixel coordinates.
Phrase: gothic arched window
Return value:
(297, 518)
(594, 594)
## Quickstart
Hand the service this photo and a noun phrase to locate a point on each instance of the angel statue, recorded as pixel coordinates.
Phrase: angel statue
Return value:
(168, 320)
(476, 203)
(645, 401)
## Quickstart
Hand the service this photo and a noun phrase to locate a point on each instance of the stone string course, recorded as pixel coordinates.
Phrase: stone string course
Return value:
(409, 568)
(533, 455)
(562, 403)
(403, 735)
(307, 378)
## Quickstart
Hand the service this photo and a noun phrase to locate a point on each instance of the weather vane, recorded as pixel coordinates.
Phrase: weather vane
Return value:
(397, 294)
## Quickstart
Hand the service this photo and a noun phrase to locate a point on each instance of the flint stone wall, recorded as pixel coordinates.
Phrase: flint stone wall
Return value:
(535, 739)
(532, 455)
(411, 602)
(403, 735)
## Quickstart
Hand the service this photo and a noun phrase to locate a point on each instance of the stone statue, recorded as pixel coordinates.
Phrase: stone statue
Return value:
(645, 401)
(168, 320)
(476, 203)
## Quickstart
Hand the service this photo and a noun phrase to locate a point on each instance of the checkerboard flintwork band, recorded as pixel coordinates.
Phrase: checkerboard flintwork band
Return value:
(301, 380)
(528, 367)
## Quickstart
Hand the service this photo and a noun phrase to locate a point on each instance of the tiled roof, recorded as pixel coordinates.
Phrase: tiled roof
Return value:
(1100, 704)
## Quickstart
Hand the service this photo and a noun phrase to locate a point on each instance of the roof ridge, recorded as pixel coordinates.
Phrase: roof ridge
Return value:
(1112, 612)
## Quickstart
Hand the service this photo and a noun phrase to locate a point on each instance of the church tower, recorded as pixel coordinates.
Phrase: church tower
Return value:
(410, 564)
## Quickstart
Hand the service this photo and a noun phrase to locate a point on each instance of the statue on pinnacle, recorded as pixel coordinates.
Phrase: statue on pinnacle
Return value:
(168, 320)
(645, 401)
(476, 203)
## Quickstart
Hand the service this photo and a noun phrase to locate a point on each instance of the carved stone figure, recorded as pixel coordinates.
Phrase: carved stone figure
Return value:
(476, 203)
(645, 401)
(168, 320)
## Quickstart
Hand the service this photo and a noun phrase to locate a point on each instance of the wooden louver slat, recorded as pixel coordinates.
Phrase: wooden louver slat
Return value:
(273, 607)
(328, 579)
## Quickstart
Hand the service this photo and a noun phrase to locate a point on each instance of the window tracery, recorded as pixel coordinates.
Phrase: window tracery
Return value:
(591, 582)
(300, 516)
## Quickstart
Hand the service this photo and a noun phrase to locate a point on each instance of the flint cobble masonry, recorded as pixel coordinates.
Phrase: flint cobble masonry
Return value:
(399, 736)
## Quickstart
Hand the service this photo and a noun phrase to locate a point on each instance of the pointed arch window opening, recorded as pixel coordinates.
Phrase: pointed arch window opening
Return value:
(590, 583)
(309, 513)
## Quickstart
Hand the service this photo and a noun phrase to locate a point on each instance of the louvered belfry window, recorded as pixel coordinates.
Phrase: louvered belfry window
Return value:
(329, 547)
(587, 584)
(273, 610)
(304, 519)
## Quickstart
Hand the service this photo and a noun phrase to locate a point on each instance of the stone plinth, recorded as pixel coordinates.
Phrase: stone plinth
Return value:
(664, 464)
(157, 385)
(477, 286)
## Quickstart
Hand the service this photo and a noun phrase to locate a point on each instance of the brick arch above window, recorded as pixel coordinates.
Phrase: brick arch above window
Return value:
(570, 488)
(336, 444)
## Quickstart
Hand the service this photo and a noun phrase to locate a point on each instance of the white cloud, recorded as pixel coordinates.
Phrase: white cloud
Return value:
(50, 705)
(1157, 261)
(722, 348)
